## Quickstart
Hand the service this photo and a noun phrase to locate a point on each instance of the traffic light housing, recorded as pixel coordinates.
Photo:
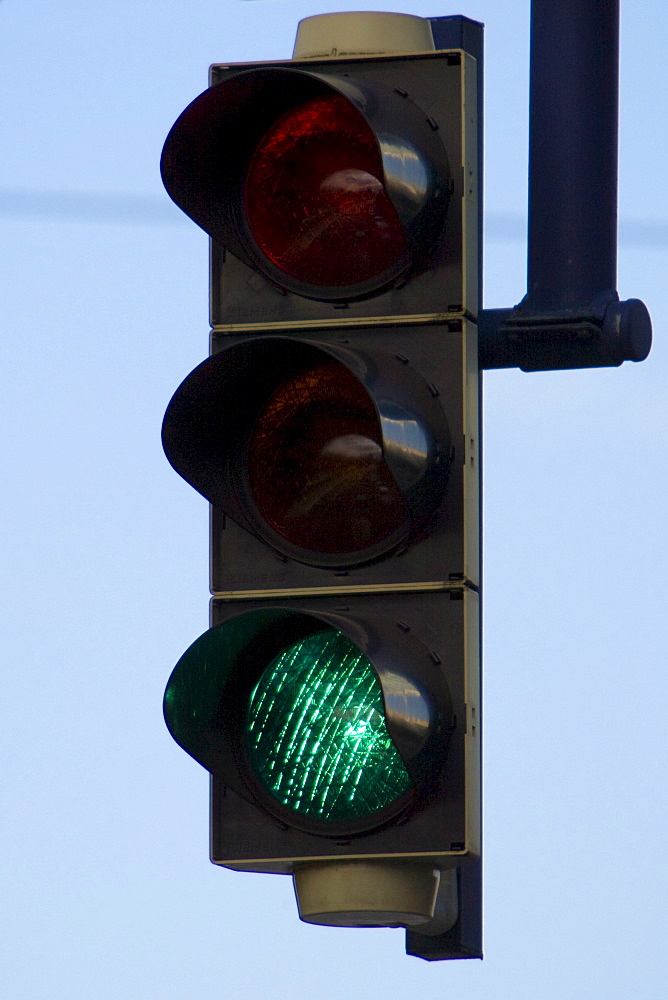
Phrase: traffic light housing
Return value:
(334, 431)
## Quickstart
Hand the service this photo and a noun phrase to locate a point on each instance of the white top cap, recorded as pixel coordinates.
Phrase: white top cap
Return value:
(336, 36)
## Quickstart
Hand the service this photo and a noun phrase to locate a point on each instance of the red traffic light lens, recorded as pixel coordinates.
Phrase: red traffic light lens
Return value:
(315, 197)
(316, 467)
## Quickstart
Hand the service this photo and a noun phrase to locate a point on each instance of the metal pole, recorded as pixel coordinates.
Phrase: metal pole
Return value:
(573, 109)
(571, 316)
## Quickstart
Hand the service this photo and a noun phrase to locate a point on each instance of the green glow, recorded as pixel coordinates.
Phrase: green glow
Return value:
(316, 732)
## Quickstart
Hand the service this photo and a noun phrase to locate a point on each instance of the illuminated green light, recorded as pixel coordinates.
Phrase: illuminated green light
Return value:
(316, 732)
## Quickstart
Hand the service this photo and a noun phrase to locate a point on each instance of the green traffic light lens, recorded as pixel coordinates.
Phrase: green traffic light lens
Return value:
(316, 734)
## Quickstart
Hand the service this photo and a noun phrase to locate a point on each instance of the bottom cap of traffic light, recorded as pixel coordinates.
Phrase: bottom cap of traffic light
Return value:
(377, 894)
(338, 736)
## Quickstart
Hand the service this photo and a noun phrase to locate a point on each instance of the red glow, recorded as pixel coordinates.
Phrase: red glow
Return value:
(315, 198)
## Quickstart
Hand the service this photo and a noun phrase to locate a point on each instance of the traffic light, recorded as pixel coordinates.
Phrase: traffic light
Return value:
(334, 431)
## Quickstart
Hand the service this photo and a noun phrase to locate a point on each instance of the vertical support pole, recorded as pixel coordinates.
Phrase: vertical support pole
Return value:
(571, 316)
(573, 136)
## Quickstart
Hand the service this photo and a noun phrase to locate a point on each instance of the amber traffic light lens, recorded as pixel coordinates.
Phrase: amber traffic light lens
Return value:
(316, 467)
(315, 197)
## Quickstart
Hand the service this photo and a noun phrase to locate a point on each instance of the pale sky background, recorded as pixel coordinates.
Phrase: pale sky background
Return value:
(108, 893)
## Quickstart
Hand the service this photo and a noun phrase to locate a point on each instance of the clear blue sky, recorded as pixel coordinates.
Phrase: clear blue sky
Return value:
(107, 888)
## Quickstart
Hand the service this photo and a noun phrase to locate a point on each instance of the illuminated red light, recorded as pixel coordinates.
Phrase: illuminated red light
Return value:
(315, 197)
